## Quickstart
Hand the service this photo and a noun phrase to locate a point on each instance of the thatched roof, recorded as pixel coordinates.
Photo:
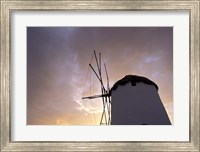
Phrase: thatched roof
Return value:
(133, 79)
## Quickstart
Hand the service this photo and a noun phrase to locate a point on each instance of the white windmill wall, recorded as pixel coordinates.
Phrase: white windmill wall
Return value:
(137, 105)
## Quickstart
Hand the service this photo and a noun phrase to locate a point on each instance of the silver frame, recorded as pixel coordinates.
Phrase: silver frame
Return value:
(7, 6)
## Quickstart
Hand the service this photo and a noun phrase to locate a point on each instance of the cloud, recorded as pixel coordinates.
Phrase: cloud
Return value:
(150, 59)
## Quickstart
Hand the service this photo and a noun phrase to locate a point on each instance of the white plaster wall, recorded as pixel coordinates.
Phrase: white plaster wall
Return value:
(137, 105)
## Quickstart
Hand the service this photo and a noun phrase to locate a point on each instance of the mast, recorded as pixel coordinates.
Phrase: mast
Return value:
(106, 114)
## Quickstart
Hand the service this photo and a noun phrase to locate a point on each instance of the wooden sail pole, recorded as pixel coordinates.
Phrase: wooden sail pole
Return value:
(104, 93)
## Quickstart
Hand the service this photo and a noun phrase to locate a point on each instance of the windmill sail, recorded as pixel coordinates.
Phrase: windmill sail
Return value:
(106, 113)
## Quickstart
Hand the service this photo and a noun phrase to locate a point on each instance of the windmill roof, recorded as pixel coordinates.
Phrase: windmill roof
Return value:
(133, 79)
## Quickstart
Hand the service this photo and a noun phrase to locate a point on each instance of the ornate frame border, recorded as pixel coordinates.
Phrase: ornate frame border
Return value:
(7, 6)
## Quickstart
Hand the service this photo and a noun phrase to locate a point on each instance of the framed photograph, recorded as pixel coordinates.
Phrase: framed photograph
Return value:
(99, 75)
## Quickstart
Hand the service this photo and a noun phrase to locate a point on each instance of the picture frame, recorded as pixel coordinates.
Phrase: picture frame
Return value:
(7, 7)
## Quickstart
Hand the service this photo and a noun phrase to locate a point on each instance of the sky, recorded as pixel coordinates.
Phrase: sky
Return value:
(58, 73)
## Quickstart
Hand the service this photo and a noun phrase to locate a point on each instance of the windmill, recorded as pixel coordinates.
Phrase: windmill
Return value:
(135, 100)
(105, 91)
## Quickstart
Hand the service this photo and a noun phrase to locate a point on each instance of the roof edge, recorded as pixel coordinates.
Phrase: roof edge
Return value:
(133, 79)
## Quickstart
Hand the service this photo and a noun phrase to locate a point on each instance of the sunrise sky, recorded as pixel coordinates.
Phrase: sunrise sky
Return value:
(58, 74)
